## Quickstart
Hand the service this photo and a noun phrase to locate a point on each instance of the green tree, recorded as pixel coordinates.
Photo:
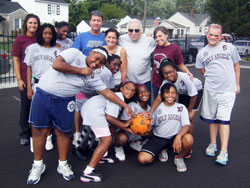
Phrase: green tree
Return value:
(110, 14)
(187, 5)
(233, 15)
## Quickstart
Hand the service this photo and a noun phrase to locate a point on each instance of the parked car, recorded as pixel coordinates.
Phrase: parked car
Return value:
(242, 46)
(4, 62)
(227, 38)
(189, 51)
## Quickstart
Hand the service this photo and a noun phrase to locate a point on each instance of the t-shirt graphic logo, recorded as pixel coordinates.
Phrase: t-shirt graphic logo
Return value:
(182, 83)
(78, 62)
(71, 106)
(179, 108)
(135, 110)
(224, 47)
(159, 111)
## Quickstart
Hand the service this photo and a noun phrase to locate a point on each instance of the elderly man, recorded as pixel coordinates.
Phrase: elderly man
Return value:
(139, 48)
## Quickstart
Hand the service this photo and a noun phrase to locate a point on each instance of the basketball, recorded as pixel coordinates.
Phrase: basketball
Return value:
(140, 126)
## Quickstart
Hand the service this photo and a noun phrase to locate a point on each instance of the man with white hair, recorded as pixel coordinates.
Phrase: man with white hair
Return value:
(139, 48)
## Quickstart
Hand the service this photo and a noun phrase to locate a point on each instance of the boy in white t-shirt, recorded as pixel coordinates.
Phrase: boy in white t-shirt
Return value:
(219, 63)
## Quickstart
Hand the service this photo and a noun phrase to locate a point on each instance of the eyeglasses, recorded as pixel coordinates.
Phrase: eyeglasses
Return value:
(128, 88)
(133, 30)
(167, 73)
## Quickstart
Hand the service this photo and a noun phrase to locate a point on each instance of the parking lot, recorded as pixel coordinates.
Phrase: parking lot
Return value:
(203, 172)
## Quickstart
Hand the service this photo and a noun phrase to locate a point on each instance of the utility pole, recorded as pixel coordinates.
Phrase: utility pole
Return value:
(145, 14)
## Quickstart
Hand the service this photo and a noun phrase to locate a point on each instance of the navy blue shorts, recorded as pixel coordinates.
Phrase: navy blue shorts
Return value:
(155, 144)
(49, 110)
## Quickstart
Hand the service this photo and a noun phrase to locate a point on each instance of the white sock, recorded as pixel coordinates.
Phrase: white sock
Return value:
(62, 163)
(77, 135)
(88, 170)
(38, 163)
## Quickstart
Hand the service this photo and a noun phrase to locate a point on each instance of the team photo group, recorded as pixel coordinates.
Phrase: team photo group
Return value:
(105, 89)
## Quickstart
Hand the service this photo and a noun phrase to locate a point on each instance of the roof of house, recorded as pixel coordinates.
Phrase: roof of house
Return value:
(55, 1)
(197, 19)
(2, 18)
(7, 7)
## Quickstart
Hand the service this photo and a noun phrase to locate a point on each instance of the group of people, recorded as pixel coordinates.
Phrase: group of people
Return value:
(102, 80)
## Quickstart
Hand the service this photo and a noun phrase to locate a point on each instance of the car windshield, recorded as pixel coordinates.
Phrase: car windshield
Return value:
(240, 43)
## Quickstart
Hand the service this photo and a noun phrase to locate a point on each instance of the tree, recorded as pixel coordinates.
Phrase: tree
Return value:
(188, 5)
(233, 15)
(110, 14)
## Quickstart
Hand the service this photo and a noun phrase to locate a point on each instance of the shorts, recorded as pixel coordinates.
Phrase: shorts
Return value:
(217, 107)
(155, 144)
(100, 131)
(49, 110)
(185, 99)
(79, 104)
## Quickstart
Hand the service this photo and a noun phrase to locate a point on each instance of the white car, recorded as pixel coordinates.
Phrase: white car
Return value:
(242, 46)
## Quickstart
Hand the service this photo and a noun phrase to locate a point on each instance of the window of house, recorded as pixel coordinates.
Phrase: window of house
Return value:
(57, 10)
(182, 32)
(200, 29)
(188, 30)
(18, 24)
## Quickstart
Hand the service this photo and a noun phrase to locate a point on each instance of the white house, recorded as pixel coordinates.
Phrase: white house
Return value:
(49, 11)
(195, 24)
(84, 26)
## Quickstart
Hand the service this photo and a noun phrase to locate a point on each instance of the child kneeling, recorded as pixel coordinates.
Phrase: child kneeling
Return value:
(171, 126)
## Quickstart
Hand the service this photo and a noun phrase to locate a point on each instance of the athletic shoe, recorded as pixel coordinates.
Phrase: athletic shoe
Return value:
(180, 165)
(119, 153)
(24, 141)
(211, 149)
(49, 145)
(136, 145)
(94, 176)
(31, 144)
(35, 174)
(163, 156)
(66, 172)
(189, 155)
(222, 158)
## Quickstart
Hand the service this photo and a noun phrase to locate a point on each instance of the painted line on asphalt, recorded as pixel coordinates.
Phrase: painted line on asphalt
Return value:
(16, 98)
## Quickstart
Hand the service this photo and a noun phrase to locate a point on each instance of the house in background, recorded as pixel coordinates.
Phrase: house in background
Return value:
(195, 24)
(84, 26)
(49, 11)
(12, 15)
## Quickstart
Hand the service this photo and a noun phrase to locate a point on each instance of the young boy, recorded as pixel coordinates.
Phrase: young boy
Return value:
(219, 63)
(53, 103)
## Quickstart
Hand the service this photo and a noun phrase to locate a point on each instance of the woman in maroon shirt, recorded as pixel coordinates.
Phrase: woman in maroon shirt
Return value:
(30, 26)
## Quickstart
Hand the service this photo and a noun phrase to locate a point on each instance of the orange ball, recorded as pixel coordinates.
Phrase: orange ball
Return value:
(140, 126)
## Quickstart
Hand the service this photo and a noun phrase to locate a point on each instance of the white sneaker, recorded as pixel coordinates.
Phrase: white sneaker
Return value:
(35, 174)
(136, 145)
(119, 153)
(49, 145)
(180, 165)
(66, 172)
(76, 138)
(31, 144)
(163, 156)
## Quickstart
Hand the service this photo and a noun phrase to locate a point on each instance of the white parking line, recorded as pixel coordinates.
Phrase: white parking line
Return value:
(16, 98)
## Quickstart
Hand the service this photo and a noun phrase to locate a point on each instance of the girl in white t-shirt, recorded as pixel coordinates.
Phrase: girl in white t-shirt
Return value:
(39, 58)
(62, 29)
(99, 113)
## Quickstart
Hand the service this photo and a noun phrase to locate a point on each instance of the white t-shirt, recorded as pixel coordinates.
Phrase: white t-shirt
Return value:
(65, 44)
(40, 59)
(94, 110)
(168, 120)
(219, 63)
(138, 57)
(68, 85)
(184, 85)
(118, 75)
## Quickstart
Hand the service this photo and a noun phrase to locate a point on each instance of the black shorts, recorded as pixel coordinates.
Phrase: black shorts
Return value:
(185, 99)
(155, 144)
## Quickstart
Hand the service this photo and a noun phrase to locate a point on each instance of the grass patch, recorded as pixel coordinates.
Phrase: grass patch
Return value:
(246, 58)
(6, 46)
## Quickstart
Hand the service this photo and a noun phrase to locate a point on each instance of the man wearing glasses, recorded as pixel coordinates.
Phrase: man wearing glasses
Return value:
(139, 48)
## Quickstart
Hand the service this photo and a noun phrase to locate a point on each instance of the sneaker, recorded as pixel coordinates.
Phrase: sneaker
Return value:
(94, 176)
(222, 158)
(24, 141)
(66, 172)
(211, 149)
(163, 156)
(119, 153)
(136, 145)
(180, 165)
(189, 155)
(49, 145)
(31, 144)
(35, 174)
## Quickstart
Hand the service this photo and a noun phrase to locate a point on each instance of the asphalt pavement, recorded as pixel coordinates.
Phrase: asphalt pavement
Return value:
(203, 172)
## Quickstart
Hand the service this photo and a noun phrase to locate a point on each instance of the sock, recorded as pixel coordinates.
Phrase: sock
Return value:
(88, 170)
(62, 163)
(38, 163)
(77, 135)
